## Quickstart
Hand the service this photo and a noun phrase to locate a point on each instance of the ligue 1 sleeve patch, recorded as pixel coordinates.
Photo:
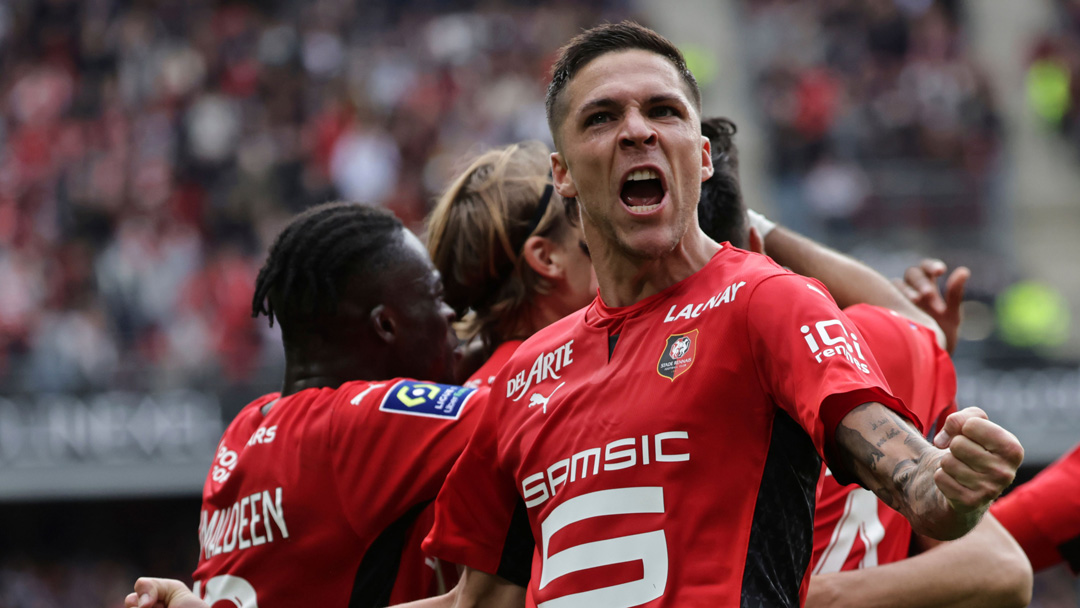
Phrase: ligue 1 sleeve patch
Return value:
(426, 399)
(678, 354)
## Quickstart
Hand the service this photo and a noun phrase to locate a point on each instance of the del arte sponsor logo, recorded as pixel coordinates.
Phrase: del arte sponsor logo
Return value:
(546, 366)
(693, 311)
(834, 342)
(616, 455)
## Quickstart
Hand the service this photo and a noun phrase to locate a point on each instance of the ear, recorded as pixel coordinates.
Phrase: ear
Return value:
(706, 158)
(757, 244)
(542, 255)
(560, 176)
(384, 323)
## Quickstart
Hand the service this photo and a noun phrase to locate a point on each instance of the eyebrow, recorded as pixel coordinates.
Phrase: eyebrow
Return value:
(607, 102)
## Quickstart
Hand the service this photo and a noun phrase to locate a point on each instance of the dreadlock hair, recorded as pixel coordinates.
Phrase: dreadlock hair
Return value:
(721, 212)
(603, 39)
(309, 262)
(476, 233)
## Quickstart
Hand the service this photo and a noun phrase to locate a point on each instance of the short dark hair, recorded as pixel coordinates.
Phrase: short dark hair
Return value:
(609, 38)
(721, 212)
(311, 259)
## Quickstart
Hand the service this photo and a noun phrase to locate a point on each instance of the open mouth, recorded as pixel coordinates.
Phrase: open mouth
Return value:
(643, 191)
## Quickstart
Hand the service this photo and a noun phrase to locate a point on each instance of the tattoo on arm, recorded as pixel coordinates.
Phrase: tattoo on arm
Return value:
(889, 456)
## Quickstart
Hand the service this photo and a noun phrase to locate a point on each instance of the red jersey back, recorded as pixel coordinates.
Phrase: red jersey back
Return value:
(665, 453)
(420, 575)
(852, 528)
(308, 503)
(1043, 515)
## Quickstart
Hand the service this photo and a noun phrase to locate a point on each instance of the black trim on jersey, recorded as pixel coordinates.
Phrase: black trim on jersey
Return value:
(375, 577)
(782, 532)
(1070, 550)
(611, 345)
(515, 564)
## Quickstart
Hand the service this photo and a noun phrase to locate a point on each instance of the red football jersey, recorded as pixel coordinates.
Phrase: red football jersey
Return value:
(309, 504)
(1043, 515)
(420, 575)
(665, 453)
(852, 528)
(485, 376)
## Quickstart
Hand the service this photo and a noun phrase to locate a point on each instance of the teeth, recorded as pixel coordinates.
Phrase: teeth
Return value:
(643, 174)
(644, 208)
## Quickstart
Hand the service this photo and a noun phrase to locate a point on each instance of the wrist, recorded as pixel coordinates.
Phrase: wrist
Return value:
(763, 224)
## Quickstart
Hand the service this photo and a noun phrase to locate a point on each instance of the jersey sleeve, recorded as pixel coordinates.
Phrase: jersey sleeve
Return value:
(919, 372)
(1043, 515)
(393, 443)
(480, 520)
(810, 359)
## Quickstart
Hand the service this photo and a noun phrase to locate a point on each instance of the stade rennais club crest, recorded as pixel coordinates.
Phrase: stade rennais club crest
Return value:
(678, 354)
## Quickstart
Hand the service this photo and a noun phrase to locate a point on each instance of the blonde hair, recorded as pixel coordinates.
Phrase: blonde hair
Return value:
(476, 233)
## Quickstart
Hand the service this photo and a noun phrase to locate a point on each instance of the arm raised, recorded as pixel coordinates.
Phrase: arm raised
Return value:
(943, 491)
(848, 280)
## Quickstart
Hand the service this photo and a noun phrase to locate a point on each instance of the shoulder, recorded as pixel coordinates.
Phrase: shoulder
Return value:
(550, 338)
(253, 410)
(402, 396)
(753, 271)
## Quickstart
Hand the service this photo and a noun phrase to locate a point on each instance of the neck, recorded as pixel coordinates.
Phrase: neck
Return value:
(625, 280)
(325, 370)
(546, 309)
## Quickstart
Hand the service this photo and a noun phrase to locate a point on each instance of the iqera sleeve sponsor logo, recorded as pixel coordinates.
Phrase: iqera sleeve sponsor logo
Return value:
(693, 311)
(836, 341)
(616, 455)
(678, 355)
(547, 366)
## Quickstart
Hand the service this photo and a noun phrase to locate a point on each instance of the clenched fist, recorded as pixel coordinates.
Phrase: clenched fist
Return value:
(980, 462)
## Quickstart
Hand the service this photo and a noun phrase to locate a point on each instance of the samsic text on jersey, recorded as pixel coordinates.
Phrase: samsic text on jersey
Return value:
(665, 453)
(309, 503)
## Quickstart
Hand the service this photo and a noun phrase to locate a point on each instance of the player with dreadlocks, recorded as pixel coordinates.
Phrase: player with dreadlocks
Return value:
(312, 489)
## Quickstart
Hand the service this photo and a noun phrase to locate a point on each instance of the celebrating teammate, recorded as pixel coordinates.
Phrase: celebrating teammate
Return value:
(510, 251)
(312, 490)
(659, 446)
(852, 528)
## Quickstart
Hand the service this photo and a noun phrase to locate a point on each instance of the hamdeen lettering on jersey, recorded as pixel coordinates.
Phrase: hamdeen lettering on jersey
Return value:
(310, 503)
(657, 458)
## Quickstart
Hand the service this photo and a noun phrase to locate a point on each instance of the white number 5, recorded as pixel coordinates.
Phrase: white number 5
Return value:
(226, 588)
(650, 548)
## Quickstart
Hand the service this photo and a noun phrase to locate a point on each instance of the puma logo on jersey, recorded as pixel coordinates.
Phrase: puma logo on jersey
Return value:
(835, 338)
(538, 399)
(360, 397)
(693, 311)
(546, 365)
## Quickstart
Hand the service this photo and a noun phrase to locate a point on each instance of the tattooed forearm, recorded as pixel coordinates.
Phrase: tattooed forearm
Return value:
(890, 458)
(888, 435)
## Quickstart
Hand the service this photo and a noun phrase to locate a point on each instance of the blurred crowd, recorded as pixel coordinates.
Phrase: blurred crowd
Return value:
(1053, 77)
(876, 115)
(149, 151)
